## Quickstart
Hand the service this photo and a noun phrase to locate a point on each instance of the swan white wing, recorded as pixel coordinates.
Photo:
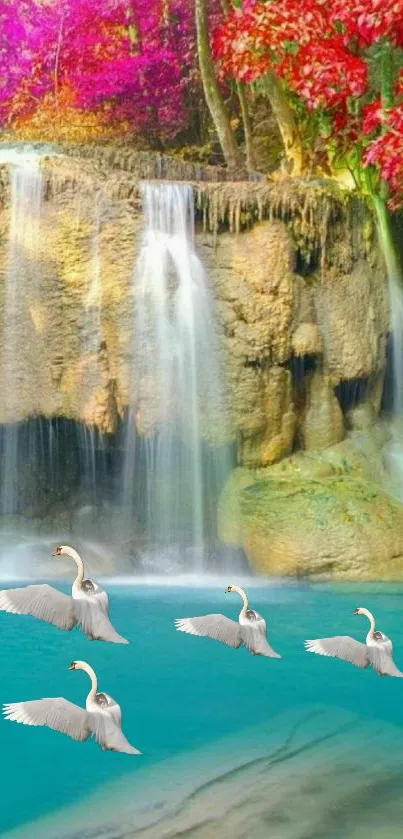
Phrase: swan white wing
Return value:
(255, 640)
(40, 601)
(95, 623)
(340, 646)
(116, 713)
(217, 627)
(102, 599)
(57, 713)
(109, 734)
(383, 662)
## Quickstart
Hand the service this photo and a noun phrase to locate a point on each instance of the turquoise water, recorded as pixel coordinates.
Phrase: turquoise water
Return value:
(190, 703)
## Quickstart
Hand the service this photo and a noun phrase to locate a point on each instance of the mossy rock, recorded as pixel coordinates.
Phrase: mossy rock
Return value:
(322, 515)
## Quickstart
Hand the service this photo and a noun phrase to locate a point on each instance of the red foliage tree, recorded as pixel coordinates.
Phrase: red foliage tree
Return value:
(339, 59)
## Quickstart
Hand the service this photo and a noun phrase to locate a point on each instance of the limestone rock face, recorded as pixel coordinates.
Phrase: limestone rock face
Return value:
(301, 305)
(307, 340)
(323, 423)
(252, 276)
(352, 313)
(266, 433)
(288, 337)
(317, 515)
(72, 337)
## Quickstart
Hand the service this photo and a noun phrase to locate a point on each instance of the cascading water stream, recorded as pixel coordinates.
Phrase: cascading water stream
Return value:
(176, 388)
(394, 449)
(91, 440)
(22, 274)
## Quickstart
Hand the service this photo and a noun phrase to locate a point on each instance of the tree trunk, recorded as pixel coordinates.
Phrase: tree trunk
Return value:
(227, 7)
(247, 127)
(212, 92)
(287, 125)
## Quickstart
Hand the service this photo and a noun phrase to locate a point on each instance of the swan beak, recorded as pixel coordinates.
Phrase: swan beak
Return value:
(72, 666)
(356, 612)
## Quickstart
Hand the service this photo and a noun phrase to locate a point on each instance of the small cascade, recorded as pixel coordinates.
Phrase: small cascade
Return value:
(176, 388)
(91, 441)
(42, 458)
(22, 279)
(394, 449)
(396, 317)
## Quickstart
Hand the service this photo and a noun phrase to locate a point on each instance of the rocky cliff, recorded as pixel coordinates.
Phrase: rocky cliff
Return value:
(302, 315)
(302, 304)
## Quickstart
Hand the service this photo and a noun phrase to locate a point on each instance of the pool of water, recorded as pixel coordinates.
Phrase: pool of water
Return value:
(232, 745)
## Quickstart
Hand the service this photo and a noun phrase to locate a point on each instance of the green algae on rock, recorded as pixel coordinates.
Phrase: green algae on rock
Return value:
(318, 514)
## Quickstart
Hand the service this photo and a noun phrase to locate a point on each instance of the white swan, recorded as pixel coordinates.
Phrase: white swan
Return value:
(102, 718)
(377, 651)
(249, 631)
(87, 607)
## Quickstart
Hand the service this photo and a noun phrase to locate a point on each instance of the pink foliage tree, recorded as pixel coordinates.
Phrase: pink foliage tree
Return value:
(134, 59)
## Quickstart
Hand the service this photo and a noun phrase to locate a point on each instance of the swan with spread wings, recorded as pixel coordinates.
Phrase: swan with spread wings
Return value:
(101, 718)
(249, 631)
(88, 606)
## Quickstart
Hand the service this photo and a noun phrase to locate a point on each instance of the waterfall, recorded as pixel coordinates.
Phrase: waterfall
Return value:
(145, 498)
(176, 383)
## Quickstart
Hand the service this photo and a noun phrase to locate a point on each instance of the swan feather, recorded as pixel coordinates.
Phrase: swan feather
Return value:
(95, 622)
(382, 661)
(108, 734)
(57, 713)
(340, 646)
(254, 638)
(217, 627)
(40, 601)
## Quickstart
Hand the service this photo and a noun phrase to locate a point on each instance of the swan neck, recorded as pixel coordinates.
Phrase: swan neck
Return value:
(370, 618)
(94, 681)
(244, 597)
(80, 565)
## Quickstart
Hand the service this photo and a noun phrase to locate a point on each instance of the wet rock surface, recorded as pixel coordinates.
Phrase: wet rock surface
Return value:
(319, 514)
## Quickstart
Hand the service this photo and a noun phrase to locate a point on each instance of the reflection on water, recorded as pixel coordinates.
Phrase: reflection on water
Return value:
(302, 748)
